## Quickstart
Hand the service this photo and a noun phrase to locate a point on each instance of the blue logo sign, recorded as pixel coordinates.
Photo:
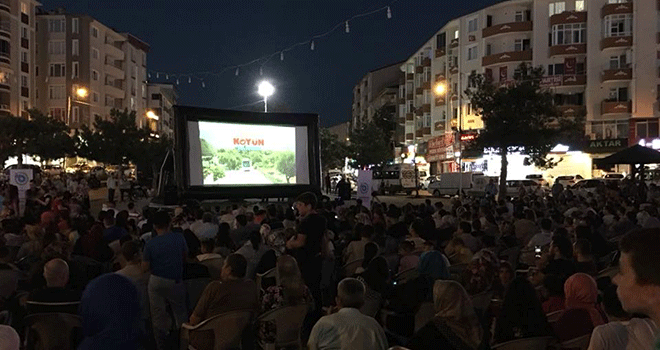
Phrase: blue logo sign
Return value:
(364, 188)
(21, 178)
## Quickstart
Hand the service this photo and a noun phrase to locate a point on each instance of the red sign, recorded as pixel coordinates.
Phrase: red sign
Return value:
(552, 80)
(468, 137)
(248, 142)
(569, 65)
(503, 74)
(437, 147)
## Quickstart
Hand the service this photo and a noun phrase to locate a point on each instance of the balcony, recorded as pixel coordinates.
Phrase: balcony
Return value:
(615, 9)
(426, 62)
(571, 49)
(615, 107)
(426, 85)
(410, 76)
(410, 97)
(419, 133)
(5, 5)
(112, 69)
(401, 120)
(25, 18)
(616, 74)
(25, 92)
(402, 101)
(440, 101)
(419, 69)
(410, 117)
(440, 77)
(453, 69)
(571, 110)
(616, 41)
(114, 50)
(25, 67)
(568, 17)
(574, 80)
(419, 91)
(5, 58)
(426, 108)
(511, 56)
(409, 136)
(419, 112)
(115, 91)
(513, 27)
(453, 43)
(439, 126)
(440, 52)
(5, 29)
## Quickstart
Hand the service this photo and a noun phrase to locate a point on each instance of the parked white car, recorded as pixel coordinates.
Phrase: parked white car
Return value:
(583, 187)
(538, 178)
(568, 180)
(531, 186)
(613, 177)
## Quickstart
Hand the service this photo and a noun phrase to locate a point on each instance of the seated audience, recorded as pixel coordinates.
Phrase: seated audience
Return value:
(223, 243)
(433, 264)
(374, 269)
(554, 289)
(110, 312)
(414, 234)
(355, 249)
(56, 273)
(455, 325)
(348, 328)
(584, 260)
(131, 262)
(561, 258)
(582, 312)
(408, 260)
(9, 339)
(233, 292)
(457, 252)
(208, 248)
(253, 250)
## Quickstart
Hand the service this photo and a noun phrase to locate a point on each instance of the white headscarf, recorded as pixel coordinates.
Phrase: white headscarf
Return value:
(9, 339)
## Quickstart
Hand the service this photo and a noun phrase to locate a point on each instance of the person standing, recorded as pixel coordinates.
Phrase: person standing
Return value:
(327, 183)
(164, 256)
(112, 186)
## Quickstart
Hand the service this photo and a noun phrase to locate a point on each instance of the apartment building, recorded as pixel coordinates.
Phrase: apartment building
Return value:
(601, 58)
(85, 69)
(160, 116)
(375, 90)
(17, 58)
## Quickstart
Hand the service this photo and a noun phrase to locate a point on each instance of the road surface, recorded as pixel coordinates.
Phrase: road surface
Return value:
(239, 177)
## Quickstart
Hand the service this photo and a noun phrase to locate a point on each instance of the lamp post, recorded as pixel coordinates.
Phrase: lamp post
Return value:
(266, 89)
(441, 90)
(80, 92)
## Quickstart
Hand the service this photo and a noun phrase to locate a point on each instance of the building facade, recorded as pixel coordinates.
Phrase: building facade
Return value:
(85, 69)
(160, 116)
(600, 59)
(341, 130)
(17, 56)
(375, 90)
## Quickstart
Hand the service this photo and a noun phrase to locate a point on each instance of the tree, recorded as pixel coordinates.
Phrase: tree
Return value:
(207, 150)
(50, 138)
(373, 142)
(333, 150)
(14, 138)
(286, 165)
(519, 115)
(115, 140)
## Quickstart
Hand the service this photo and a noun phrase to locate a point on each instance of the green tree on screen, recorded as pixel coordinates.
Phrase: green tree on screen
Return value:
(207, 149)
(287, 165)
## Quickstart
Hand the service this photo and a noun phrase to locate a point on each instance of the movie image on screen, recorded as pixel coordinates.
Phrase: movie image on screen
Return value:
(241, 154)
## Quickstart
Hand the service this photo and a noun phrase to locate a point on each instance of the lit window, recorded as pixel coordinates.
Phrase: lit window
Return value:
(579, 5)
(25, 8)
(75, 25)
(556, 7)
(95, 32)
(75, 47)
(56, 25)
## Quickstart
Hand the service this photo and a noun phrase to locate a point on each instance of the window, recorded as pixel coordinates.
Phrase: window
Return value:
(618, 62)
(75, 47)
(95, 96)
(144, 91)
(75, 25)
(75, 114)
(427, 96)
(619, 94)
(25, 8)
(56, 25)
(57, 113)
(24, 33)
(489, 49)
(427, 74)
(579, 5)
(427, 120)
(473, 25)
(618, 25)
(565, 34)
(95, 32)
(456, 34)
(556, 7)
(410, 68)
(521, 44)
(647, 129)
(155, 97)
(472, 52)
(519, 16)
(95, 53)
(57, 69)
(75, 67)
(24, 81)
(56, 47)
(95, 75)
(133, 103)
(441, 41)
(36, 71)
(135, 71)
(56, 92)
(24, 56)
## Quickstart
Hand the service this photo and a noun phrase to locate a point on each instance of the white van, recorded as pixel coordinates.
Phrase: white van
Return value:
(393, 178)
(448, 184)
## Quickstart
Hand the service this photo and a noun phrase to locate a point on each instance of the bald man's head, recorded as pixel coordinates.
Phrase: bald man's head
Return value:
(56, 273)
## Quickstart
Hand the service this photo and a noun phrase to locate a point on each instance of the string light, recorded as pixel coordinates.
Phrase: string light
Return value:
(157, 75)
(167, 77)
(236, 71)
(389, 13)
(261, 70)
(311, 47)
(149, 75)
(203, 85)
(189, 80)
(177, 81)
(282, 56)
(348, 29)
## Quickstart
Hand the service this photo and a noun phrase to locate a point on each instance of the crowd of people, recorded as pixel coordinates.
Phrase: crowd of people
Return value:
(465, 275)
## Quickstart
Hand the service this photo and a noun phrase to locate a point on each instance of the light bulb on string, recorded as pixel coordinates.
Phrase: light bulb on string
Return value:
(348, 29)
(311, 47)
(157, 75)
(282, 56)
(389, 13)
(261, 70)
(167, 77)
(236, 71)
(177, 82)
(149, 75)
(203, 85)
(189, 80)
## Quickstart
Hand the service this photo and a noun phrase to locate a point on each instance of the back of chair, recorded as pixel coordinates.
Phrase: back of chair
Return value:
(227, 328)
(194, 289)
(53, 331)
(215, 267)
(272, 273)
(372, 303)
(424, 314)
(482, 301)
(407, 275)
(536, 343)
(608, 272)
(554, 316)
(289, 321)
(350, 267)
(579, 343)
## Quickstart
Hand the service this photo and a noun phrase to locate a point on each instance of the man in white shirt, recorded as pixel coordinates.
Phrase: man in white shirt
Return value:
(112, 187)
(206, 229)
(544, 237)
(348, 328)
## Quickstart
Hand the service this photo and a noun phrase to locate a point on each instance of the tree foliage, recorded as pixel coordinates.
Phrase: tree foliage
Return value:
(519, 115)
(373, 142)
(333, 150)
(286, 165)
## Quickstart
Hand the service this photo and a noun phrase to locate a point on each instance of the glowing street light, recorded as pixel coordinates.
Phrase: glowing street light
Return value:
(440, 89)
(152, 115)
(82, 92)
(266, 89)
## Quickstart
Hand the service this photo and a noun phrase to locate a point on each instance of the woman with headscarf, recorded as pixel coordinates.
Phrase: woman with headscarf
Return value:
(455, 325)
(521, 315)
(582, 313)
(481, 273)
(433, 264)
(111, 314)
(93, 246)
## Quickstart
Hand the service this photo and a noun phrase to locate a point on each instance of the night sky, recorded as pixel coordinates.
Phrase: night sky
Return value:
(202, 35)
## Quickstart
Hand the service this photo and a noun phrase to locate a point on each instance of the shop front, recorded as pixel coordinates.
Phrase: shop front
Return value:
(440, 154)
(598, 149)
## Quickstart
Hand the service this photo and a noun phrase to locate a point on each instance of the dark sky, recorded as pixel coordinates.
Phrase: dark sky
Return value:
(208, 35)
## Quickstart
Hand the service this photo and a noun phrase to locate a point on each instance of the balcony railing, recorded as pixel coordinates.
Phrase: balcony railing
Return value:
(568, 17)
(513, 27)
(426, 108)
(615, 9)
(511, 56)
(439, 126)
(409, 136)
(5, 5)
(571, 110)
(616, 107)
(570, 49)
(440, 52)
(410, 117)
(426, 62)
(616, 74)
(616, 41)
(453, 43)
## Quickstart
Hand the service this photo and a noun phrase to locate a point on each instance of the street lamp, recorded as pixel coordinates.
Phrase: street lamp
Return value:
(80, 93)
(152, 115)
(266, 89)
(440, 89)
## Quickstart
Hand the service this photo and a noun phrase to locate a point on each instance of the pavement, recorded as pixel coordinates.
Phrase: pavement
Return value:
(99, 196)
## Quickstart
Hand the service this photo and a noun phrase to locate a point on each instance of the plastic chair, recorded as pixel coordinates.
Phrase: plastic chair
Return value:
(350, 267)
(554, 316)
(581, 343)
(372, 303)
(536, 343)
(272, 273)
(608, 272)
(215, 267)
(407, 275)
(225, 331)
(52, 331)
(289, 321)
(194, 289)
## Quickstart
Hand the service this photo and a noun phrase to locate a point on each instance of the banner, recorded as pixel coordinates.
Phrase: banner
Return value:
(21, 178)
(364, 187)
(552, 80)
(569, 66)
(503, 74)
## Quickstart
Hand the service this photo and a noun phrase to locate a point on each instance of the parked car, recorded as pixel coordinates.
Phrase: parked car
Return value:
(583, 187)
(53, 170)
(568, 180)
(538, 178)
(613, 177)
(531, 186)
(429, 180)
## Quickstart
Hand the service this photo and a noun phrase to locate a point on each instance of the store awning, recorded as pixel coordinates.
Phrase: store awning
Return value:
(632, 155)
